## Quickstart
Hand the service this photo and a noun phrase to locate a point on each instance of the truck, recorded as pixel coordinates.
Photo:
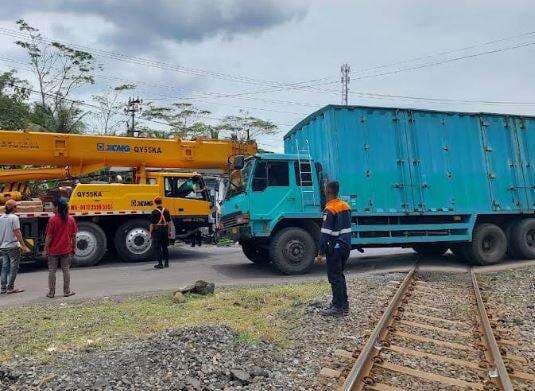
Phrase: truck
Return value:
(421, 179)
(115, 215)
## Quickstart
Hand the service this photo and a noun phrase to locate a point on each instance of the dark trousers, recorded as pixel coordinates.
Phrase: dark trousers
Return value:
(160, 237)
(336, 262)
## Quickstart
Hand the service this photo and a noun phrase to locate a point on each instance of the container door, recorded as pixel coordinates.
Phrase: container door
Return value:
(385, 183)
(429, 162)
(504, 174)
(524, 131)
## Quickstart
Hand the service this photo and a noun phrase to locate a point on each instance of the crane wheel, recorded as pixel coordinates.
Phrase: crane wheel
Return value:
(91, 244)
(133, 242)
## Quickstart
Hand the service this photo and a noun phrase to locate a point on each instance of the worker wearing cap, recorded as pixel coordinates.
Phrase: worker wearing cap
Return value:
(160, 229)
(335, 245)
(11, 244)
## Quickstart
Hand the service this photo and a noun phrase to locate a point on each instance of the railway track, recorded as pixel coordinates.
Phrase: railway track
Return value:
(421, 343)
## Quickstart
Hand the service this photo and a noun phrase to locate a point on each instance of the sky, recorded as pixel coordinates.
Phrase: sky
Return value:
(280, 60)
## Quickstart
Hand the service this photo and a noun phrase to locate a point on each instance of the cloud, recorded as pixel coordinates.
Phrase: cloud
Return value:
(144, 25)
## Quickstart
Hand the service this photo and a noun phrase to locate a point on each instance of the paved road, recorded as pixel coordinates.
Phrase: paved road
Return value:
(224, 266)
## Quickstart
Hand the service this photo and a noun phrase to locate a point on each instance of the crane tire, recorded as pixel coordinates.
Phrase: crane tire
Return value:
(133, 242)
(91, 244)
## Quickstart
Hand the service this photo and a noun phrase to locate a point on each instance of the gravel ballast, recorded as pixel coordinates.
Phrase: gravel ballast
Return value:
(215, 357)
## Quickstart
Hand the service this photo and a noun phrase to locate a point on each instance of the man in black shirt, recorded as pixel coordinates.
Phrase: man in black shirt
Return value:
(159, 229)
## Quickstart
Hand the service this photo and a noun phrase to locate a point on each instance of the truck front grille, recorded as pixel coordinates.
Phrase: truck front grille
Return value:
(230, 220)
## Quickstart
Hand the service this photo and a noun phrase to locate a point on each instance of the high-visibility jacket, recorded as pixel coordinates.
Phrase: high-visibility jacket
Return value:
(336, 228)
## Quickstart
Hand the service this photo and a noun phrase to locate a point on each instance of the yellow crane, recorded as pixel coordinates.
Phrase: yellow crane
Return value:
(118, 212)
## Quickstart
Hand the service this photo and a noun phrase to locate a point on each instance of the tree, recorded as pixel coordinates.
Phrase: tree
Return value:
(14, 110)
(59, 70)
(183, 119)
(107, 116)
(246, 127)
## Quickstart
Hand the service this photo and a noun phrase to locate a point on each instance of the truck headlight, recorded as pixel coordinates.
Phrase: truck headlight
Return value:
(242, 219)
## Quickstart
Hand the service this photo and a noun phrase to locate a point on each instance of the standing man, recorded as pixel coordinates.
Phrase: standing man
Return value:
(335, 245)
(11, 244)
(160, 229)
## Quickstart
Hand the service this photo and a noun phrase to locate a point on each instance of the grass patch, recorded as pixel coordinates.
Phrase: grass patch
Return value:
(254, 313)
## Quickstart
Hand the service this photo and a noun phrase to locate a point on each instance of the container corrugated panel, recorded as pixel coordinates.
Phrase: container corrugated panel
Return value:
(408, 161)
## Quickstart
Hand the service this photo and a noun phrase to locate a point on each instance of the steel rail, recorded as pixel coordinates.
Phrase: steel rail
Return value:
(364, 362)
(492, 345)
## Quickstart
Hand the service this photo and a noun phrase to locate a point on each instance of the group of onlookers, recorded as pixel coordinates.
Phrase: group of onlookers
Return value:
(59, 247)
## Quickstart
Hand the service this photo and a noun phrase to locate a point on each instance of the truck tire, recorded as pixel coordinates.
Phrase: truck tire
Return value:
(431, 249)
(91, 244)
(488, 245)
(133, 242)
(255, 253)
(292, 251)
(522, 239)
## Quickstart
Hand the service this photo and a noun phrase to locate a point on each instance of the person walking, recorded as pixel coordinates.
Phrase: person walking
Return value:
(11, 245)
(335, 245)
(160, 229)
(60, 244)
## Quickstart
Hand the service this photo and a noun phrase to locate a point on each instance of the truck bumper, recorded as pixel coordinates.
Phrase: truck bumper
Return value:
(237, 233)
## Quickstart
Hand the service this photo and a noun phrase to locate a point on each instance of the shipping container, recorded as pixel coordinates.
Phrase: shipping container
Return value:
(431, 180)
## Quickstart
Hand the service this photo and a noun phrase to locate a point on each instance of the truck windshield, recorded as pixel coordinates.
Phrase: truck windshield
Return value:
(238, 179)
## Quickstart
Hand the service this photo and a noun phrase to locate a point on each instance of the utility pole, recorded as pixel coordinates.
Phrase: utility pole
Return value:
(345, 69)
(132, 107)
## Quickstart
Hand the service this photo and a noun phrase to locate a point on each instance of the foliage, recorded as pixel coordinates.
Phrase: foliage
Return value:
(14, 110)
(183, 119)
(108, 111)
(246, 127)
(60, 70)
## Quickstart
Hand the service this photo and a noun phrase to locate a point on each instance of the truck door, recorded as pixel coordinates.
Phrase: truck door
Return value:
(504, 174)
(271, 191)
(524, 133)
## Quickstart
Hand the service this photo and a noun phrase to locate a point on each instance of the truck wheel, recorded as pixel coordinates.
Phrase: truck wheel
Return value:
(256, 253)
(133, 242)
(488, 245)
(292, 251)
(522, 239)
(430, 250)
(91, 244)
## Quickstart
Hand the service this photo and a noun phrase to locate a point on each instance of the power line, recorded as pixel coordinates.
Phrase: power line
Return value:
(160, 64)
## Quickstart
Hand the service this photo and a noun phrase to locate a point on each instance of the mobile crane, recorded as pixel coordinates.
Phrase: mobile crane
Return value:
(117, 213)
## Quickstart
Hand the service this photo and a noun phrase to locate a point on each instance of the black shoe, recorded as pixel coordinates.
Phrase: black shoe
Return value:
(335, 311)
(158, 266)
(166, 264)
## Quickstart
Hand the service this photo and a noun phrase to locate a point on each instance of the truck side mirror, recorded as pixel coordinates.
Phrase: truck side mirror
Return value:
(239, 162)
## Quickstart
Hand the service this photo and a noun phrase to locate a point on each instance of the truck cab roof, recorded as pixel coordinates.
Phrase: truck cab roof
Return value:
(278, 156)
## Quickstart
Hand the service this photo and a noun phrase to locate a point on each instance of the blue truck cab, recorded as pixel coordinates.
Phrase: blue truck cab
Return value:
(429, 180)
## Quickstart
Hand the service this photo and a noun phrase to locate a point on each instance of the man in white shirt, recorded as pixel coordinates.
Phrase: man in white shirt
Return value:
(11, 244)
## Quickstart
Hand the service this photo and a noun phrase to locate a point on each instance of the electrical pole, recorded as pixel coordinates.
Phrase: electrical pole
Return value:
(132, 107)
(344, 70)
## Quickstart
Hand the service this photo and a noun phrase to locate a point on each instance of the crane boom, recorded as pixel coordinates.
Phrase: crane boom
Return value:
(75, 154)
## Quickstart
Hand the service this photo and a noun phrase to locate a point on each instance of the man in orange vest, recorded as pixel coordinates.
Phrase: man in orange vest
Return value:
(335, 245)
(160, 228)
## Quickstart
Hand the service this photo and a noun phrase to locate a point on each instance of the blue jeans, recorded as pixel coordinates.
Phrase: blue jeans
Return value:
(10, 266)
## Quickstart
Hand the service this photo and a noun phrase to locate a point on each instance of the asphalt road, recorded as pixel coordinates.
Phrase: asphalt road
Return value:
(224, 266)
